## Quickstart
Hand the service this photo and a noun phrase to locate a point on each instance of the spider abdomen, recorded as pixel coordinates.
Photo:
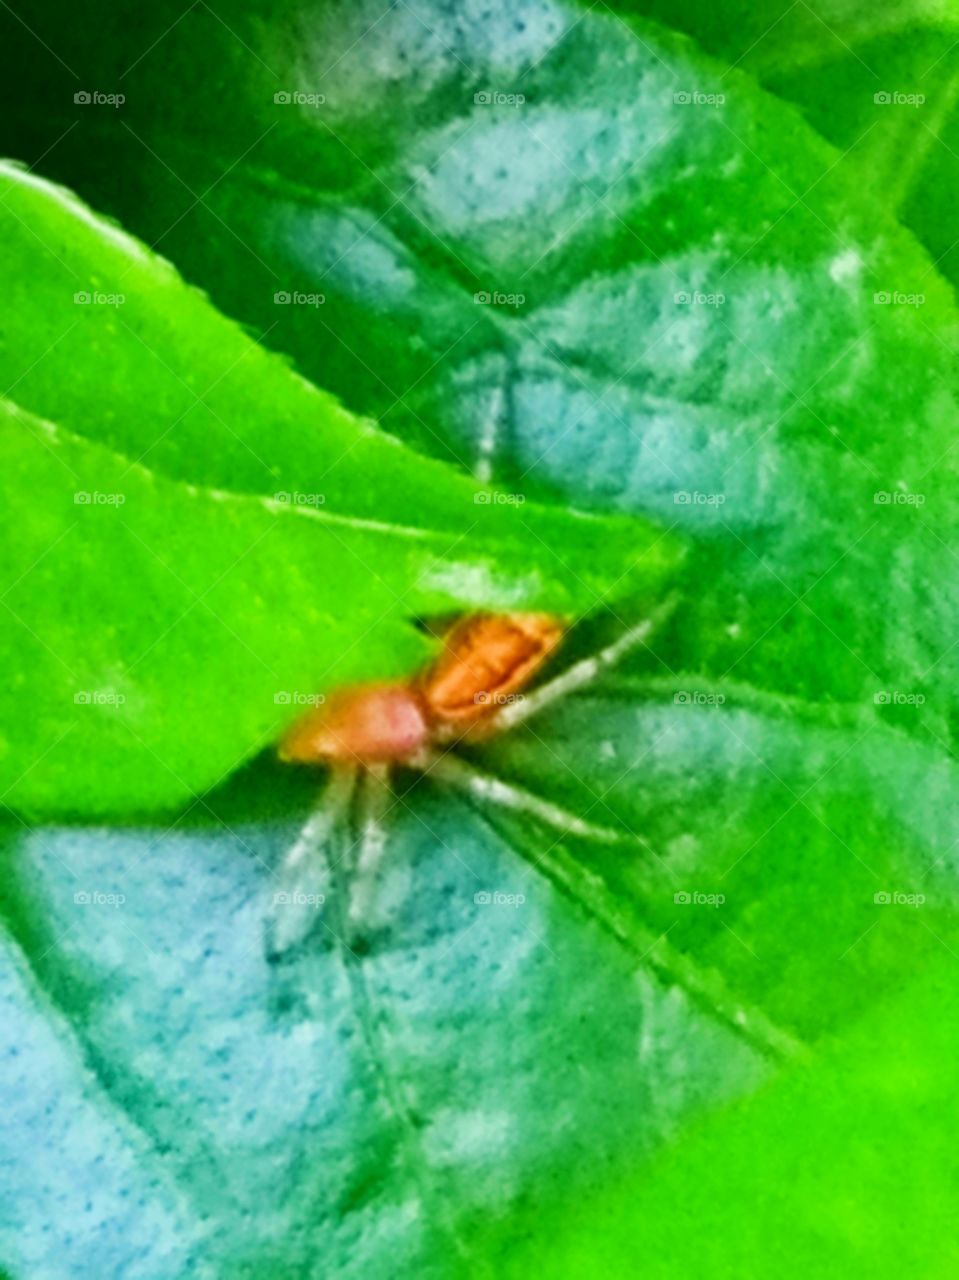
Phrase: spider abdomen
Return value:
(363, 725)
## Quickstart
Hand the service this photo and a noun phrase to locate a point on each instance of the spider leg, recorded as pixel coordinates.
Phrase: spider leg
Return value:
(353, 881)
(304, 875)
(451, 769)
(366, 853)
(581, 673)
(488, 437)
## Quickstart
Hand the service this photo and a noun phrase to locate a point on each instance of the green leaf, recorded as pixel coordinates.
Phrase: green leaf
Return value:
(822, 815)
(632, 967)
(368, 1102)
(161, 631)
(766, 426)
(880, 83)
(806, 1160)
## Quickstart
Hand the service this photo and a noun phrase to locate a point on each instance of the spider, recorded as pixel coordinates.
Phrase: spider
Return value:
(470, 692)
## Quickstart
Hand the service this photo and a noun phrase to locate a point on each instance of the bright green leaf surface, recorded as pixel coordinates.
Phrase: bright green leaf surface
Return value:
(157, 634)
(743, 1188)
(151, 625)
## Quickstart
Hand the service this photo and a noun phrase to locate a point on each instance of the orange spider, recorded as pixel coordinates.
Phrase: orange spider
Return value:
(470, 691)
(487, 660)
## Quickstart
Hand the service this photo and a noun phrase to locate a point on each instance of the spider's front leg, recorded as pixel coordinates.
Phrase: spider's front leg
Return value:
(581, 673)
(485, 787)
